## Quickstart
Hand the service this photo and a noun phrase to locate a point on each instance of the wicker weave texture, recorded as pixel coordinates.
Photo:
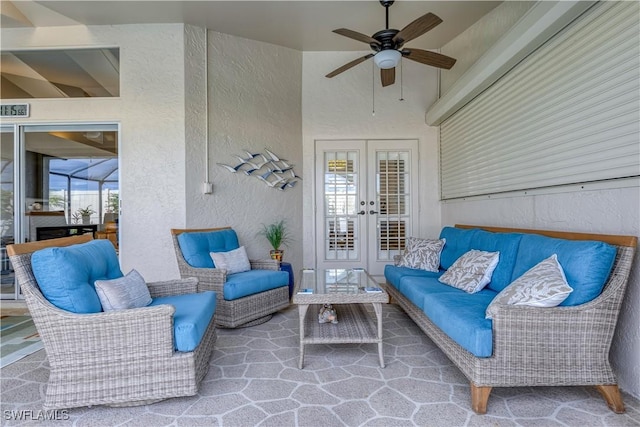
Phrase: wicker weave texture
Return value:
(115, 358)
(242, 311)
(542, 346)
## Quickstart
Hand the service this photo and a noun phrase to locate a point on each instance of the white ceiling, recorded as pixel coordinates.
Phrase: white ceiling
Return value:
(301, 25)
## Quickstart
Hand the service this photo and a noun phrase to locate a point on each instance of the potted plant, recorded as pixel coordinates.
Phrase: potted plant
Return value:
(86, 213)
(278, 236)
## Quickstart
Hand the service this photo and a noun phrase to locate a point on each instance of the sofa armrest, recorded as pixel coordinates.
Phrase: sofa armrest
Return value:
(167, 288)
(550, 336)
(264, 264)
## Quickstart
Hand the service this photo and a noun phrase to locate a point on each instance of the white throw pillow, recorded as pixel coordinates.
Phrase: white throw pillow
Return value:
(544, 285)
(422, 253)
(125, 292)
(235, 261)
(472, 271)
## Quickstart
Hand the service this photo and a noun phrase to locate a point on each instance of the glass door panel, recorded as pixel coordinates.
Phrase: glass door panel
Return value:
(7, 194)
(71, 180)
(394, 166)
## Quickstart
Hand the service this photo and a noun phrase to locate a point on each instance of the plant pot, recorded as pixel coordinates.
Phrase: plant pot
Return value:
(86, 219)
(276, 254)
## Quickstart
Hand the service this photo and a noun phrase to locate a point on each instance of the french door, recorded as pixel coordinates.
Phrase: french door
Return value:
(366, 201)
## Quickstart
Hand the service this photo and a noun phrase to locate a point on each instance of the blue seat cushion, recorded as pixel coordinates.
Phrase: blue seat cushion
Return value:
(66, 276)
(415, 288)
(505, 243)
(586, 264)
(458, 243)
(251, 282)
(191, 318)
(394, 274)
(462, 317)
(197, 245)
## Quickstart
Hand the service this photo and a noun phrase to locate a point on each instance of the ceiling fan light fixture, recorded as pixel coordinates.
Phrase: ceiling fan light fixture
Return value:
(386, 59)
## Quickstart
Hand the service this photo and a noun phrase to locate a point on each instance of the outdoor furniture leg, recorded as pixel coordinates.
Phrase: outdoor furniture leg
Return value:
(302, 312)
(377, 307)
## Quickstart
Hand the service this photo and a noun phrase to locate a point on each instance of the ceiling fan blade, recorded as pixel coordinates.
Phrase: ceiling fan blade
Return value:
(356, 35)
(348, 65)
(417, 28)
(387, 76)
(430, 58)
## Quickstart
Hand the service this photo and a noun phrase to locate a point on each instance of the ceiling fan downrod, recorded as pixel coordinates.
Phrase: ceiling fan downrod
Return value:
(386, 4)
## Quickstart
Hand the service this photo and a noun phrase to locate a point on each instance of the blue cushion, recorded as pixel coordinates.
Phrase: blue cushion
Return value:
(193, 315)
(461, 316)
(394, 274)
(458, 243)
(415, 288)
(196, 246)
(505, 243)
(586, 264)
(66, 275)
(251, 282)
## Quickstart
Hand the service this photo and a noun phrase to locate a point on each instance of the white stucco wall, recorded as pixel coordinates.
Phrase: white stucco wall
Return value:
(341, 108)
(587, 208)
(254, 103)
(151, 112)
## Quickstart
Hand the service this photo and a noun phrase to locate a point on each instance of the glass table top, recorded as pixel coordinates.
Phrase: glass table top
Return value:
(336, 280)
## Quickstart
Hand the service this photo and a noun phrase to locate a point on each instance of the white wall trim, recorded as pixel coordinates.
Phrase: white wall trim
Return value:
(538, 25)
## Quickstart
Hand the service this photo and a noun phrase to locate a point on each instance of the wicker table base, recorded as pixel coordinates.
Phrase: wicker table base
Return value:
(354, 325)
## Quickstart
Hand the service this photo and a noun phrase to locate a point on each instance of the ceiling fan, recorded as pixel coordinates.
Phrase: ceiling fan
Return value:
(388, 46)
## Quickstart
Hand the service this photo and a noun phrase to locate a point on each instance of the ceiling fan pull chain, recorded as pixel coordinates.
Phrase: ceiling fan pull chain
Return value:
(401, 85)
(373, 89)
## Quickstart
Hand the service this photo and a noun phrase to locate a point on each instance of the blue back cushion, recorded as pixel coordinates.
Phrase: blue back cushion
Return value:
(196, 246)
(505, 243)
(586, 264)
(66, 276)
(458, 243)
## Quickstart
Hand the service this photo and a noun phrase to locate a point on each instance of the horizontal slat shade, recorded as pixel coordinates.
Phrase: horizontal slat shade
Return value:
(569, 113)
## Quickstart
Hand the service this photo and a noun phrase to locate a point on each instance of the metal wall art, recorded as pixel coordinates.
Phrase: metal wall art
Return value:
(274, 171)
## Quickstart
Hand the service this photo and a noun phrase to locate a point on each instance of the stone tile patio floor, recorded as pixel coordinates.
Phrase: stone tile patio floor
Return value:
(254, 381)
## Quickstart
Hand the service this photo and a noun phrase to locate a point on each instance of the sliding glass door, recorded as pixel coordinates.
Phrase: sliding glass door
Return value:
(67, 183)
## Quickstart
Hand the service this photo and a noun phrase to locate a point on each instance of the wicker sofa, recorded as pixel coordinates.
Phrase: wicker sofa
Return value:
(117, 358)
(531, 346)
(248, 308)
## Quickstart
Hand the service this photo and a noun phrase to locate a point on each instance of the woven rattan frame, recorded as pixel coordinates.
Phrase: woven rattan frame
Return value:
(246, 311)
(559, 346)
(117, 358)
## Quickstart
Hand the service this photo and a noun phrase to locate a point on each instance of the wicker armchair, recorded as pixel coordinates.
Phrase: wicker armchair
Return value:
(116, 358)
(247, 311)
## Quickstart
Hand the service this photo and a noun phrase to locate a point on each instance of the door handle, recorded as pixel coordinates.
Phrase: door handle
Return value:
(362, 213)
(372, 212)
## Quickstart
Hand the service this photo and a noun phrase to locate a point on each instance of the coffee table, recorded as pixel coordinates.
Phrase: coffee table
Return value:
(345, 290)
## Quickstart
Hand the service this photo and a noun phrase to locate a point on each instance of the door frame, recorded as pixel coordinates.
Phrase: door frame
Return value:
(370, 146)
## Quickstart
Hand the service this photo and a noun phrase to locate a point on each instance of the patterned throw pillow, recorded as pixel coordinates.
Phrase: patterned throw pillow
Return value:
(544, 285)
(125, 292)
(472, 271)
(423, 254)
(235, 261)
